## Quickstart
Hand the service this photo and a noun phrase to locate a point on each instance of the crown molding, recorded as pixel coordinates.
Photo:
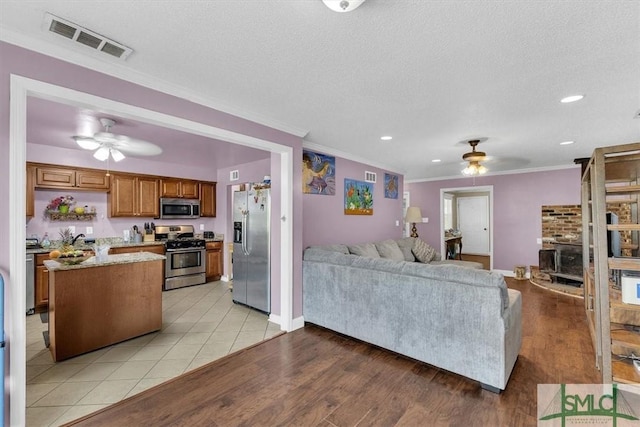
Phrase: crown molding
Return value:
(119, 70)
(510, 172)
(343, 154)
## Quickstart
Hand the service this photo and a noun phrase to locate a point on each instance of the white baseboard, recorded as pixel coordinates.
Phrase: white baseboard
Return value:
(298, 322)
(225, 278)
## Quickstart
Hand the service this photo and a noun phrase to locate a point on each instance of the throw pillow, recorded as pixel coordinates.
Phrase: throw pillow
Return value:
(423, 252)
(406, 244)
(364, 249)
(389, 249)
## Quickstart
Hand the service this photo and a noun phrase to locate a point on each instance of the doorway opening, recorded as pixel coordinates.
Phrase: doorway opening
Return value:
(466, 213)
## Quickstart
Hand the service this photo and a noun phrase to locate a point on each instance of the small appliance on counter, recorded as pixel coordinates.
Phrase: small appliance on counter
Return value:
(32, 243)
(209, 235)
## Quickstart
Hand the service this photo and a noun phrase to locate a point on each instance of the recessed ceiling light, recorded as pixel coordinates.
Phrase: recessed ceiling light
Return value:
(567, 142)
(572, 98)
(386, 138)
(436, 160)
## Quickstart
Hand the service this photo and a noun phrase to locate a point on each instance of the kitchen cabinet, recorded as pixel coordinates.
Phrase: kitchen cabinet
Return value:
(30, 196)
(179, 188)
(71, 178)
(41, 283)
(133, 196)
(208, 199)
(214, 261)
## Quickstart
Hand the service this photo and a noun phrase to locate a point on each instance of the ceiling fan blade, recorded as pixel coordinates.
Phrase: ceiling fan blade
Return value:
(137, 147)
(86, 142)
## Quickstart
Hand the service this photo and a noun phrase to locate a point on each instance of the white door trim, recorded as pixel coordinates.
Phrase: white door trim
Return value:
(480, 189)
(20, 89)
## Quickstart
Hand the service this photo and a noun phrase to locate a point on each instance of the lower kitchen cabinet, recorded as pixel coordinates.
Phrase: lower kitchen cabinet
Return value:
(214, 261)
(41, 291)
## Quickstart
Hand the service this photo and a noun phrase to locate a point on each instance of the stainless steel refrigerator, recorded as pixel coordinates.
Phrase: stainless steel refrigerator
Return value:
(251, 250)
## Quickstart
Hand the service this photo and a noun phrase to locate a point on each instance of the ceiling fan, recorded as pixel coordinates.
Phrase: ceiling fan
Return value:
(107, 143)
(474, 158)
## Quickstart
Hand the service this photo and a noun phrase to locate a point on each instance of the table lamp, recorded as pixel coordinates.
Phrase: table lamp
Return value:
(413, 215)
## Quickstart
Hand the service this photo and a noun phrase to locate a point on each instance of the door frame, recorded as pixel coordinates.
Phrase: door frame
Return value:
(478, 189)
(21, 88)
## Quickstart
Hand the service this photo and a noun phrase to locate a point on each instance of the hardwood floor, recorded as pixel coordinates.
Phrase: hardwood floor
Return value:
(314, 377)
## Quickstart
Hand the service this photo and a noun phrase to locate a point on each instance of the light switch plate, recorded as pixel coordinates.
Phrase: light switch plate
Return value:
(201, 227)
(425, 220)
(89, 230)
(397, 223)
(72, 228)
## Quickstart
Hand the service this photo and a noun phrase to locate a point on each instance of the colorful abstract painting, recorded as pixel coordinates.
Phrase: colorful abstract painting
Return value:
(390, 186)
(358, 197)
(318, 173)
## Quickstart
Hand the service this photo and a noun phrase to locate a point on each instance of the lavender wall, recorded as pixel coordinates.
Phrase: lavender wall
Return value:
(325, 221)
(33, 65)
(517, 202)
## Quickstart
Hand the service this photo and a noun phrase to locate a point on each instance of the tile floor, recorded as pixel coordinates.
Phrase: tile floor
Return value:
(200, 324)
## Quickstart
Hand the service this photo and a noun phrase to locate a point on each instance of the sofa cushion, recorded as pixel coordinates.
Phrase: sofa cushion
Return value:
(389, 249)
(365, 249)
(340, 248)
(406, 244)
(422, 251)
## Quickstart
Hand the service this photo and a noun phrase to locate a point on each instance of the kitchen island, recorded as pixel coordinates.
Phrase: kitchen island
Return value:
(95, 304)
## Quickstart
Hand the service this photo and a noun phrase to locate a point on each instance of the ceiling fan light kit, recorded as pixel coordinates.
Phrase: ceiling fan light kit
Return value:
(342, 5)
(474, 158)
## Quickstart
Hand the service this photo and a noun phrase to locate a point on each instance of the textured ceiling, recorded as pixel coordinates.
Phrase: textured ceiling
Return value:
(429, 73)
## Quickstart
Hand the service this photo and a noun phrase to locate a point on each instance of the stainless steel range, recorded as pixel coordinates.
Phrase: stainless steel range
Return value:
(186, 256)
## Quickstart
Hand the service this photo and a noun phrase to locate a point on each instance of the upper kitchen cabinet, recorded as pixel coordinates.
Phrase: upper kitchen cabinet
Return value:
(30, 199)
(179, 188)
(70, 178)
(208, 199)
(133, 196)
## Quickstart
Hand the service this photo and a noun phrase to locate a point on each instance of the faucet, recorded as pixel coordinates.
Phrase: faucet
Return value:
(73, 242)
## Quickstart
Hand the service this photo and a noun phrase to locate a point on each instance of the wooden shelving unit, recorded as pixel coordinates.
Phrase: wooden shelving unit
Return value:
(612, 323)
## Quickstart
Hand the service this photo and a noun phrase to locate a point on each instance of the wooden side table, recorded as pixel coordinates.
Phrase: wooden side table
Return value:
(454, 247)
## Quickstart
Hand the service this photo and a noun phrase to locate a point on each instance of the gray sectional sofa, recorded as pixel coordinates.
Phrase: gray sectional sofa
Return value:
(457, 318)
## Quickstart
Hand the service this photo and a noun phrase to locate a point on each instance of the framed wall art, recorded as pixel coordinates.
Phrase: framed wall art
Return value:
(318, 173)
(390, 186)
(358, 197)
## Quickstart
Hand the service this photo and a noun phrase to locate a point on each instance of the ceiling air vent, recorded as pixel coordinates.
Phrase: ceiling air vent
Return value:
(234, 175)
(370, 176)
(86, 37)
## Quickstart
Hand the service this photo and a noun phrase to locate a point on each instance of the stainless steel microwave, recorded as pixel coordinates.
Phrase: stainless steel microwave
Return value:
(179, 208)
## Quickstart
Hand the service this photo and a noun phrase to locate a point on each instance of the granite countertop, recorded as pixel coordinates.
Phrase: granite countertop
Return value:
(53, 265)
(115, 243)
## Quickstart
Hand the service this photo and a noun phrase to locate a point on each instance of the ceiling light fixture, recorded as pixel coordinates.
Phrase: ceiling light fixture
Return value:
(572, 98)
(474, 158)
(436, 161)
(386, 138)
(567, 142)
(342, 5)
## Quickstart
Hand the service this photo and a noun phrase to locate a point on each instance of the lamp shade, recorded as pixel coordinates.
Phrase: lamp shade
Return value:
(413, 214)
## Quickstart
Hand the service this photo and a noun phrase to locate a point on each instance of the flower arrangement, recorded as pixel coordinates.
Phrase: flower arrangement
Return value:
(62, 203)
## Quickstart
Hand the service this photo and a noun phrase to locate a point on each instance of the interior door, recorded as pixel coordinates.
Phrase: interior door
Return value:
(473, 223)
